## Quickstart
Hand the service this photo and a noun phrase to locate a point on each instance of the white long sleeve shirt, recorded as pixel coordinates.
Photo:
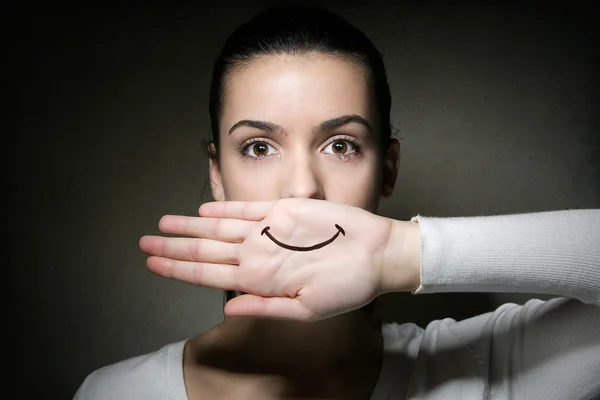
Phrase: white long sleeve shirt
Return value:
(541, 350)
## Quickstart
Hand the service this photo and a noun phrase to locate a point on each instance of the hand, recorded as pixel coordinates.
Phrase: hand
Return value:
(296, 258)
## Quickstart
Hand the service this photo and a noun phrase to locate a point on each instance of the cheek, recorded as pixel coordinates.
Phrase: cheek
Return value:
(250, 181)
(357, 186)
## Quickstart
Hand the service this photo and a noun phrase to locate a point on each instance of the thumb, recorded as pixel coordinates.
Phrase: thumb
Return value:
(249, 305)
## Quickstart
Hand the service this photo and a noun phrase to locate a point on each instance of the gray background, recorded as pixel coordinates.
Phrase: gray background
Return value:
(497, 106)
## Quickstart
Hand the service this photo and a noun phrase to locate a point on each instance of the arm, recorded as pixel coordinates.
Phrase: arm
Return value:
(553, 253)
(541, 350)
(556, 253)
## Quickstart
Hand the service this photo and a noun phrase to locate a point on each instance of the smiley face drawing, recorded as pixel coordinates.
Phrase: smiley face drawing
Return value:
(300, 248)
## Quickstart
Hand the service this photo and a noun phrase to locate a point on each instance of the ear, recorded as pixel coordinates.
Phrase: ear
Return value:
(216, 181)
(390, 168)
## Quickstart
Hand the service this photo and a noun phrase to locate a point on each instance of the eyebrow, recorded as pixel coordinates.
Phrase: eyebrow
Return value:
(327, 125)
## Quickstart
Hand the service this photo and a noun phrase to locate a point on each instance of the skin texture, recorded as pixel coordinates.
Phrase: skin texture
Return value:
(257, 358)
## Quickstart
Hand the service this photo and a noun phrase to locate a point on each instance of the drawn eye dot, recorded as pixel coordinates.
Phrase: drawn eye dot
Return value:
(260, 149)
(339, 147)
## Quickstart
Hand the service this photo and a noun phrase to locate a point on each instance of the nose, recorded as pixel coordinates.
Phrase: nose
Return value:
(300, 179)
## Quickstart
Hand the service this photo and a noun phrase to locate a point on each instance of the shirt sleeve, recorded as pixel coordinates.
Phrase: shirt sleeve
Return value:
(539, 350)
(555, 253)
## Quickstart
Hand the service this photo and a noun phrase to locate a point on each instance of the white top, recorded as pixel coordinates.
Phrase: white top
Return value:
(541, 350)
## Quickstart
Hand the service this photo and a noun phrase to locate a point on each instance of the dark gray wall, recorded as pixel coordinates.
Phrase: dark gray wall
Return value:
(497, 107)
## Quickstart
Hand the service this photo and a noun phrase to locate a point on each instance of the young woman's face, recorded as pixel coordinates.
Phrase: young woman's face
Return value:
(301, 127)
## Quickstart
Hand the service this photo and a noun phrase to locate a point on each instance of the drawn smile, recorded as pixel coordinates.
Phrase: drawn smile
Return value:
(300, 248)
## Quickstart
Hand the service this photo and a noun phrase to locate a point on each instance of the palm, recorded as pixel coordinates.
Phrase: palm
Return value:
(297, 258)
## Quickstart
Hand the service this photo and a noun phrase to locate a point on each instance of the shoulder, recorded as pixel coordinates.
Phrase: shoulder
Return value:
(156, 375)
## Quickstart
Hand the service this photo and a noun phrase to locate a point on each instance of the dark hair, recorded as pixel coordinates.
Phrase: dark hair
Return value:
(298, 30)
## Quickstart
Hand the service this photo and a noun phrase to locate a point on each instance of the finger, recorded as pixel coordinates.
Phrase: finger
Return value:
(247, 210)
(191, 249)
(268, 307)
(217, 276)
(223, 229)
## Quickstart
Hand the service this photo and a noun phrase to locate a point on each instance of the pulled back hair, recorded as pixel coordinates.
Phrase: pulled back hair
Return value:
(297, 30)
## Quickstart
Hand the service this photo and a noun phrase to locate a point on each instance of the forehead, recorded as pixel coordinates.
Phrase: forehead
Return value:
(295, 90)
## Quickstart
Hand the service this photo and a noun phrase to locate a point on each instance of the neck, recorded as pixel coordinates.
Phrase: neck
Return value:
(274, 344)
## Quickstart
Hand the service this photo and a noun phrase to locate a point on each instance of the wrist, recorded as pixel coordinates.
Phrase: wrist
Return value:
(401, 264)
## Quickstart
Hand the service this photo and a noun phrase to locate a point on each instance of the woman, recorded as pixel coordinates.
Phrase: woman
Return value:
(300, 108)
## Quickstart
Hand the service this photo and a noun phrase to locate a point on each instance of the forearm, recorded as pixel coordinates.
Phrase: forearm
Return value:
(556, 253)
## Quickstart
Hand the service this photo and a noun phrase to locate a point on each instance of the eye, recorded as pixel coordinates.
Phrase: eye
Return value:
(341, 147)
(258, 149)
